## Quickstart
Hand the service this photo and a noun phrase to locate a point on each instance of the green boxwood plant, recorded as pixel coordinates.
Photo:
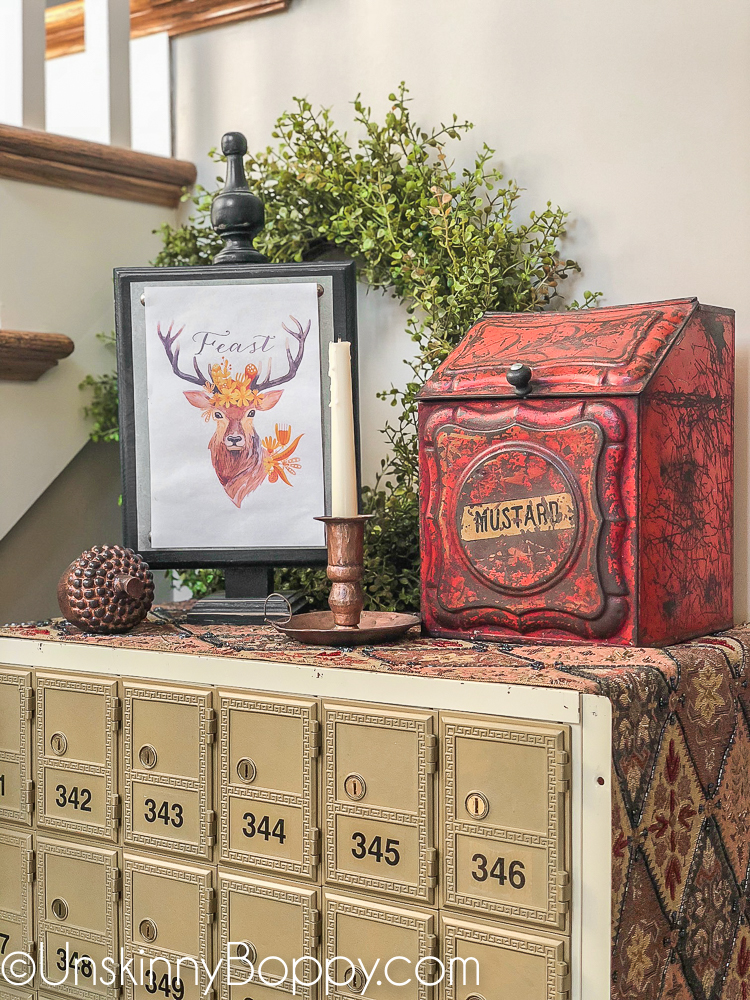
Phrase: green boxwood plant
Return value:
(447, 243)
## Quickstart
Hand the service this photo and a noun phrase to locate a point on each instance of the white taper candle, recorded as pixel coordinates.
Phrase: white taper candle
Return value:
(344, 498)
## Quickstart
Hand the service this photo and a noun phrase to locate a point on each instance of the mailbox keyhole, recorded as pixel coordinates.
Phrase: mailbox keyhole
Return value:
(148, 930)
(247, 952)
(147, 756)
(355, 786)
(59, 909)
(246, 769)
(59, 743)
(477, 805)
(356, 980)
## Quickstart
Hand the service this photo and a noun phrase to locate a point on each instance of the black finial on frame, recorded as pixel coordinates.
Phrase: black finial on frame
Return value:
(237, 215)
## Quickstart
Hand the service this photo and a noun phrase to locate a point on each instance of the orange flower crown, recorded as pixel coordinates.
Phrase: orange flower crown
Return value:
(232, 390)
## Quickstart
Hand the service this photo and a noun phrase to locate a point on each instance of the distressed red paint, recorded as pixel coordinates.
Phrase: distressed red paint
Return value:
(599, 506)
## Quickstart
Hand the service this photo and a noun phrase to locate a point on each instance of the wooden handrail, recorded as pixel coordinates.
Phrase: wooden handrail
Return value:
(25, 356)
(43, 158)
(65, 22)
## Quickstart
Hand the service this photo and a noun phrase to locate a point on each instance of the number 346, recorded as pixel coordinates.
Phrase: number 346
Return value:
(516, 873)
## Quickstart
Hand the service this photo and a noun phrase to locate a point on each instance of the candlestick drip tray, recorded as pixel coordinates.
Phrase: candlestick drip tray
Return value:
(317, 628)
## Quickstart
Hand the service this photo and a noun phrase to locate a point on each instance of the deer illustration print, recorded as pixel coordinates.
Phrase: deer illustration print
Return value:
(230, 403)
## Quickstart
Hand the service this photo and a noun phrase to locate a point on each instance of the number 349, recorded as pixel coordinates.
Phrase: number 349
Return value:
(516, 872)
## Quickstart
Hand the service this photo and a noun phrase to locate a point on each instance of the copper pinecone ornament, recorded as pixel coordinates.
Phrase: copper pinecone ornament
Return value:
(107, 589)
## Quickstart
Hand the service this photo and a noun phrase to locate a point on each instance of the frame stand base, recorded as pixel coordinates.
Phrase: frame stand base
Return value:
(244, 601)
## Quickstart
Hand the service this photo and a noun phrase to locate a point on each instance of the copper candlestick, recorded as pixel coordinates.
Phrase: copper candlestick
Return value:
(345, 540)
(346, 624)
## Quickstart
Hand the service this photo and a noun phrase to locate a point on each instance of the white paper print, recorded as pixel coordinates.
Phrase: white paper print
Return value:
(234, 410)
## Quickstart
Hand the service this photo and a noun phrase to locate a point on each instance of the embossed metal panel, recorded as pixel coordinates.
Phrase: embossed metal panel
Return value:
(378, 799)
(16, 713)
(16, 892)
(505, 815)
(529, 522)
(509, 963)
(168, 736)
(76, 761)
(272, 921)
(168, 908)
(78, 895)
(364, 934)
(268, 752)
(21, 993)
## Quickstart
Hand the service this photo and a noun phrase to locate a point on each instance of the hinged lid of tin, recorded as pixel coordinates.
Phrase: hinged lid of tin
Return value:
(612, 351)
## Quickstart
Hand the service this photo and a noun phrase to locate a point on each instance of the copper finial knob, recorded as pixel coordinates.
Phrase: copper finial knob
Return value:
(108, 589)
(519, 377)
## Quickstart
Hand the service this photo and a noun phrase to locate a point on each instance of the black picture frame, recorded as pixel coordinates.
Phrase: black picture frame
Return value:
(339, 277)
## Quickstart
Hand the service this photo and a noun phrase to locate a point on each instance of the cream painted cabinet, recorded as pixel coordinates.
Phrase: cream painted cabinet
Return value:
(390, 825)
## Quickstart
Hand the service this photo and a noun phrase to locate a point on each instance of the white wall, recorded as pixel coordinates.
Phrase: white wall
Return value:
(57, 251)
(631, 114)
(74, 96)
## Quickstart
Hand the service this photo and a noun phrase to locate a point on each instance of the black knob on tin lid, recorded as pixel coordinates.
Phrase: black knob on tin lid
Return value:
(519, 376)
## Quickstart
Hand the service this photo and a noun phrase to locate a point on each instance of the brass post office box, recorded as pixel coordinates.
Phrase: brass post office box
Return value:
(505, 791)
(378, 799)
(168, 734)
(383, 943)
(268, 750)
(78, 893)
(22, 993)
(268, 923)
(16, 713)
(509, 963)
(168, 909)
(76, 763)
(16, 896)
(162, 978)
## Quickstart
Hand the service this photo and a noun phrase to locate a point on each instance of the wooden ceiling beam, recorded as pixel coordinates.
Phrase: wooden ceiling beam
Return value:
(65, 22)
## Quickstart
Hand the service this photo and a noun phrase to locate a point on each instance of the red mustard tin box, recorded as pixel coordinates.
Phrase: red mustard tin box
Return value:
(576, 477)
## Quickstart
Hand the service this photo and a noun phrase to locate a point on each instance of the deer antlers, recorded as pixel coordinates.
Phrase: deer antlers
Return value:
(294, 362)
(168, 339)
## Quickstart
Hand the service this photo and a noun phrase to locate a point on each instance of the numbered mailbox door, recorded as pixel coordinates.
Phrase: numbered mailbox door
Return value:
(505, 811)
(382, 950)
(378, 787)
(268, 807)
(265, 927)
(78, 893)
(16, 713)
(16, 895)
(76, 762)
(164, 979)
(495, 963)
(168, 736)
(168, 910)
(8, 993)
